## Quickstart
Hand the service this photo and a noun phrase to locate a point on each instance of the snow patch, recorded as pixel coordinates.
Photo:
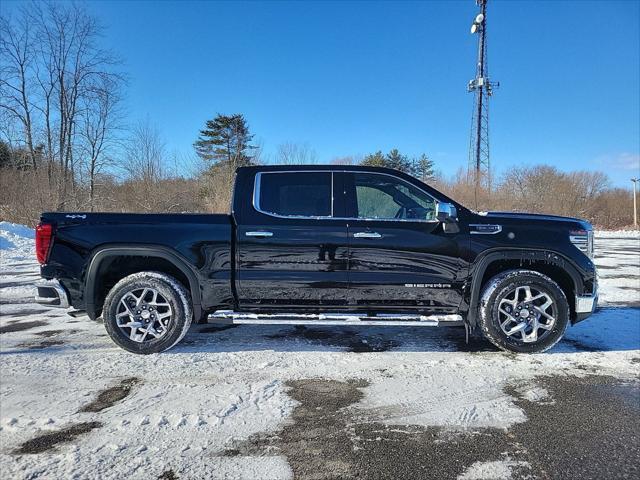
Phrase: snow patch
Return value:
(497, 470)
(452, 398)
(618, 233)
(535, 394)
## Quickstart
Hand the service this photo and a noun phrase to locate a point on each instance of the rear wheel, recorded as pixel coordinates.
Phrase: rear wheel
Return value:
(147, 312)
(523, 311)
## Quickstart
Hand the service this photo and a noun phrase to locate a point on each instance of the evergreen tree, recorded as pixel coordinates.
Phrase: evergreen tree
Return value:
(374, 160)
(226, 143)
(226, 140)
(5, 155)
(423, 168)
(394, 159)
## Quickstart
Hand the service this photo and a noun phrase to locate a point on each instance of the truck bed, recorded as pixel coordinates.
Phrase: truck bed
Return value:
(202, 242)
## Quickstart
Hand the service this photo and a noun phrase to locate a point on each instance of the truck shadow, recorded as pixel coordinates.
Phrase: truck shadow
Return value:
(609, 329)
(230, 338)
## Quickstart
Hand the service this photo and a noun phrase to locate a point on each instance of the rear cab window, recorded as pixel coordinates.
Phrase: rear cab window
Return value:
(294, 194)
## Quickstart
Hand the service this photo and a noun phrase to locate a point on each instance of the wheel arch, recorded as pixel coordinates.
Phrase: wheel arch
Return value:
(550, 263)
(155, 257)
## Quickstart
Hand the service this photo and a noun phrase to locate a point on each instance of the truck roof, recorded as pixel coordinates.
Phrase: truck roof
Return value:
(252, 170)
(323, 167)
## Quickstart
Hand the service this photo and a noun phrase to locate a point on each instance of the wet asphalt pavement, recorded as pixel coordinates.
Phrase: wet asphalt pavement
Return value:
(588, 429)
(591, 431)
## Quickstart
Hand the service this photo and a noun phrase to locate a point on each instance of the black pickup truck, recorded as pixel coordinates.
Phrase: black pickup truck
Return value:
(322, 245)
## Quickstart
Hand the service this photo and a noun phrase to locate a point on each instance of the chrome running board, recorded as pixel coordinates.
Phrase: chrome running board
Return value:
(385, 319)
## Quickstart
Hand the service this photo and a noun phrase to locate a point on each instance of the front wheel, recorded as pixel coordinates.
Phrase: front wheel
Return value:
(147, 312)
(523, 311)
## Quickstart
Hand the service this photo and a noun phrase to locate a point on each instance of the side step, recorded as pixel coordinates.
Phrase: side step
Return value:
(230, 316)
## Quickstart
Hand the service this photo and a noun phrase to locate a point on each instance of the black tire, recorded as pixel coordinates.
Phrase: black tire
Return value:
(500, 289)
(174, 299)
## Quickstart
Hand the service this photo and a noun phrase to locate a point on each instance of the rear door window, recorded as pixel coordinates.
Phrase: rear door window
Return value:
(294, 194)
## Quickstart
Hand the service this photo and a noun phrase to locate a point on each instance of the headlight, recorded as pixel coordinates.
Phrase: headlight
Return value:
(583, 240)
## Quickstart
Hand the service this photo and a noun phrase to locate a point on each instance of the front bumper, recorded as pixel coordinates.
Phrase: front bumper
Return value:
(586, 305)
(52, 293)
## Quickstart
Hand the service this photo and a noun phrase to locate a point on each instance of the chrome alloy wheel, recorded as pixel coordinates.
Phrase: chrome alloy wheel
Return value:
(525, 311)
(143, 314)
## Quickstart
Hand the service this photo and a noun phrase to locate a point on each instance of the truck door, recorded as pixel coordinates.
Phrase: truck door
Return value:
(291, 250)
(399, 255)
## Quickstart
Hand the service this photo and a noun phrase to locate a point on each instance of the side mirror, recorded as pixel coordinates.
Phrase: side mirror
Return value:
(446, 212)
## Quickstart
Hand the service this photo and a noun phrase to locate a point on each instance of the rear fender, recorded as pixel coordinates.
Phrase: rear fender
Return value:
(156, 251)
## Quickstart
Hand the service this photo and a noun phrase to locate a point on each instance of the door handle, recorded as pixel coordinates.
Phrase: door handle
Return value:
(367, 235)
(259, 234)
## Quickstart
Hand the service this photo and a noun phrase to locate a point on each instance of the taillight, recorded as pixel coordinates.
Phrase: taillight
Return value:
(44, 235)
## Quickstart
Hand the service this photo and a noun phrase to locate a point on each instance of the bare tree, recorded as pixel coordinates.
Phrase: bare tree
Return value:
(145, 165)
(296, 154)
(145, 154)
(347, 160)
(68, 35)
(52, 67)
(16, 50)
(101, 121)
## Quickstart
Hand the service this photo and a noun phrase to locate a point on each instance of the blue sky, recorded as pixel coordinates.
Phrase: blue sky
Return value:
(350, 78)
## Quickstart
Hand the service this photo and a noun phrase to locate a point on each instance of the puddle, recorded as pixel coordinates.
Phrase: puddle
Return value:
(15, 301)
(25, 283)
(216, 328)
(477, 343)
(168, 475)
(110, 396)
(623, 277)
(20, 273)
(348, 339)
(580, 346)
(368, 346)
(50, 440)
(26, 312)
(52, 333)
(21, 326)
(41, 345)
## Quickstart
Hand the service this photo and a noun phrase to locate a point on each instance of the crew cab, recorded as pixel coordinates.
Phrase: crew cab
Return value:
(322, 245)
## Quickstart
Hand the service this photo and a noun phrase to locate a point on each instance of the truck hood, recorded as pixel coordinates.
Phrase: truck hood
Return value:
(535, 216)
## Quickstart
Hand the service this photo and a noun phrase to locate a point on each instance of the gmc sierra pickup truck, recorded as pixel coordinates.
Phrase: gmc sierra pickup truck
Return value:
(322, 245)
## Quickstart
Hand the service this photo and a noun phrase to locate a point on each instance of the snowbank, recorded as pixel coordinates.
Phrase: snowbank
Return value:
(17, 230)
(16, 242)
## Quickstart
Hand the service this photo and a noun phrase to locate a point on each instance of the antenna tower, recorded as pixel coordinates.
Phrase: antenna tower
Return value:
(482, 87)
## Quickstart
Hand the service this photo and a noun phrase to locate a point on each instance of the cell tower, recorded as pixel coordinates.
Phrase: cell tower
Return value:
(483, 89)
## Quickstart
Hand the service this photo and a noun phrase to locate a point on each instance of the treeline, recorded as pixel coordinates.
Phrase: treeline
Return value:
(65, 143)
(545, 189)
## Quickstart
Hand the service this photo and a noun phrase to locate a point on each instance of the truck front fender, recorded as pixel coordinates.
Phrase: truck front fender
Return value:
(526, 259)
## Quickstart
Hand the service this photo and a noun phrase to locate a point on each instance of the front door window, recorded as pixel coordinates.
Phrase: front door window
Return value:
(384, 197)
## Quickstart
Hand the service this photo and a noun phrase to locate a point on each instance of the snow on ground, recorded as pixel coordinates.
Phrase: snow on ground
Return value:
(491, 470)
(181, 410)
(618, 269)
(617, 233)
